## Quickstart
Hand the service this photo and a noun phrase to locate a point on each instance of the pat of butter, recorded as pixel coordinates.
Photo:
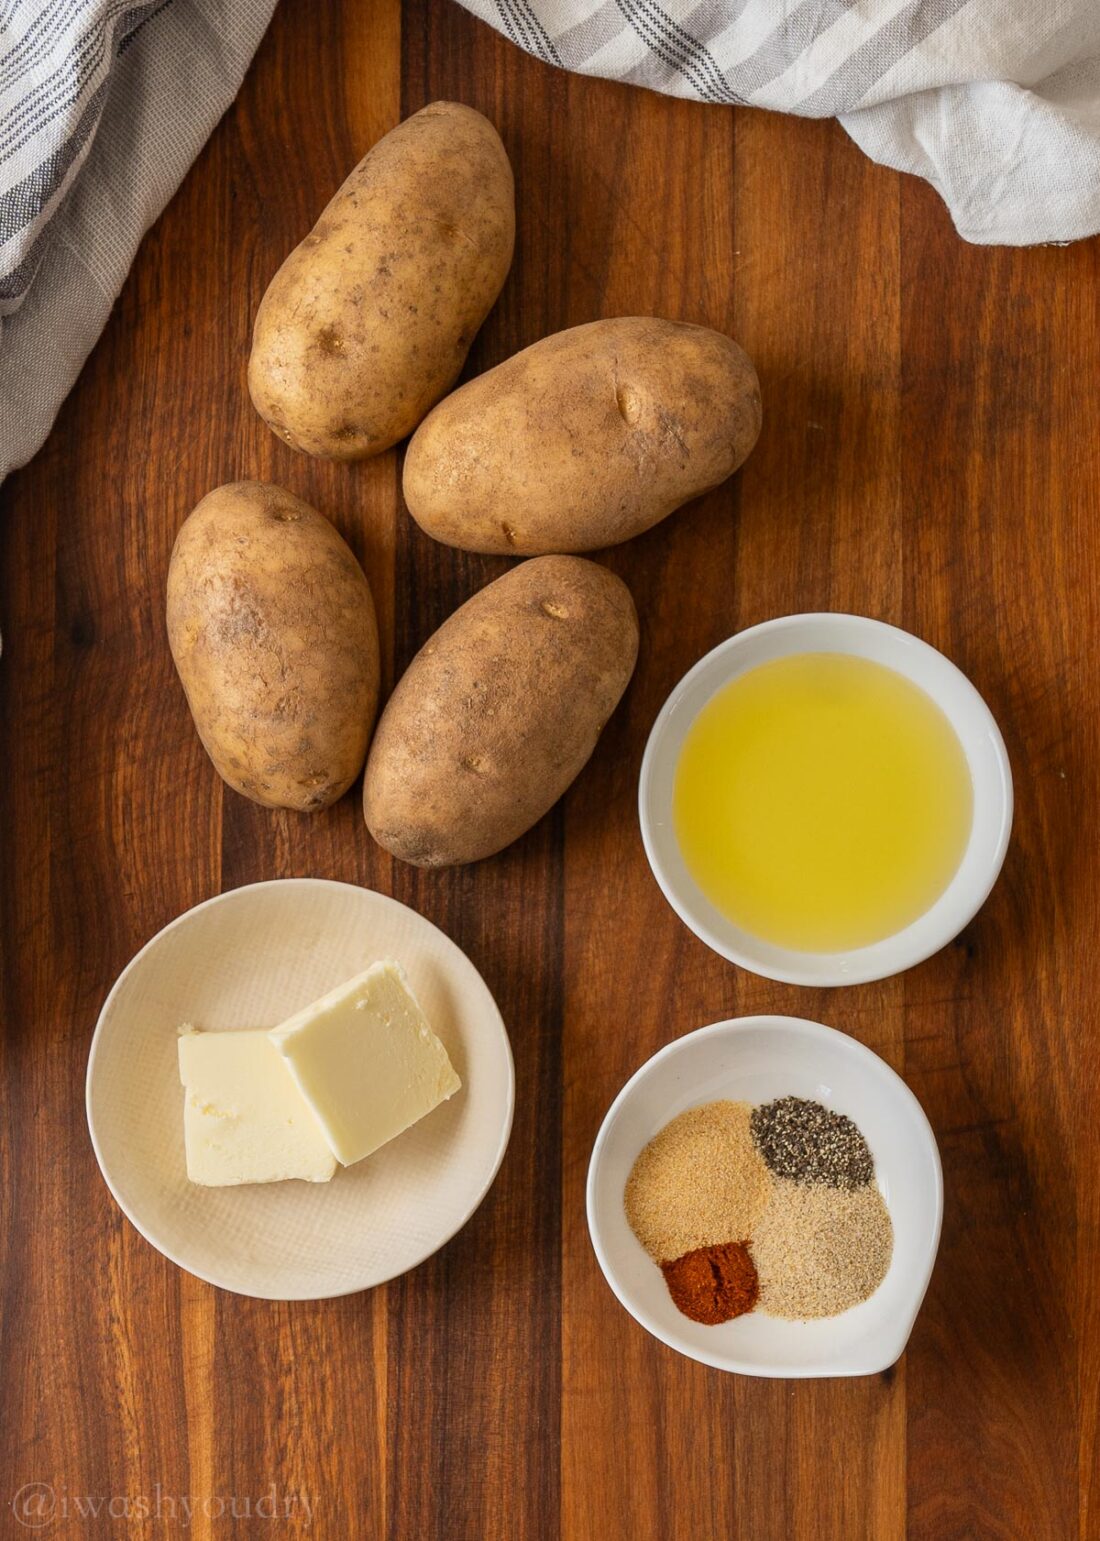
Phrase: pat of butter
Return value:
(244, 1119)
(366, 1061)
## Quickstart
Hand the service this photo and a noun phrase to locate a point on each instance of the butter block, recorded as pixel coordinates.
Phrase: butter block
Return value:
(366, 1060)
(244, 1119)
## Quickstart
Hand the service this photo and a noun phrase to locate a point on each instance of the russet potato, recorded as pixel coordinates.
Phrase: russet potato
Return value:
(499, 711)
(272, 628)
(369, 320)
(584, 439)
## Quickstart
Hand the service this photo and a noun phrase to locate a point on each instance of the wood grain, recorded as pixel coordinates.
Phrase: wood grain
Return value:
(930, 456)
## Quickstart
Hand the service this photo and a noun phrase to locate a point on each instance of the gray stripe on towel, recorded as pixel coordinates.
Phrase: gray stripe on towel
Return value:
(849, 83)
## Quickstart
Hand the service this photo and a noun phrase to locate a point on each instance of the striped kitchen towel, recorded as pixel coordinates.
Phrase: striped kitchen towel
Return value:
(104, 104)
(995, 102)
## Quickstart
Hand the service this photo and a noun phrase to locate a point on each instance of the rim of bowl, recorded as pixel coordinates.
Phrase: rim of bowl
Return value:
(731, 1027)
(959, 901)
(168, 1252)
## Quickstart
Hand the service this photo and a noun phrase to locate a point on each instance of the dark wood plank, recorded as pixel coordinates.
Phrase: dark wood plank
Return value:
(1001, 373)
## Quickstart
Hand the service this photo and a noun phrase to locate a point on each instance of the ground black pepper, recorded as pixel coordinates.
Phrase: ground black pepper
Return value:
(808, 1143)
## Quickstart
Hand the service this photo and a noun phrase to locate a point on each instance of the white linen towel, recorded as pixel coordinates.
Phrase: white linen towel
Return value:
(103, 106)
(995, 102)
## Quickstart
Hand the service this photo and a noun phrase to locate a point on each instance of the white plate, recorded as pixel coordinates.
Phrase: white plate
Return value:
(755, 1059)
(829, 632)
(249, 958)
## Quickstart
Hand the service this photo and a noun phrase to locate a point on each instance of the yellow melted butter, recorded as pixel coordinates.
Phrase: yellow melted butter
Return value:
(822, 801)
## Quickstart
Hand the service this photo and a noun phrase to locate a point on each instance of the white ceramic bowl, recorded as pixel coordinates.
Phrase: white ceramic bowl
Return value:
(249, 958)
(755, 1059)
(965, 710)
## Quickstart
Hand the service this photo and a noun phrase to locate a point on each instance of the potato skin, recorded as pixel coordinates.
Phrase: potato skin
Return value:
(272, 628)
(584, 439)
(499, 711)
(369, 320)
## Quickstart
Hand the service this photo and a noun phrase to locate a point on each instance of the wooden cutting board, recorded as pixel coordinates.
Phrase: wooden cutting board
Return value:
(930, 456)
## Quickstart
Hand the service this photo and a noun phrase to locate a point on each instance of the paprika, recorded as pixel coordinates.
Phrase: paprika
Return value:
(713, 1284)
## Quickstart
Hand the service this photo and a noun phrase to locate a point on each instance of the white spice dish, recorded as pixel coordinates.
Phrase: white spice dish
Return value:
(758, 1059)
